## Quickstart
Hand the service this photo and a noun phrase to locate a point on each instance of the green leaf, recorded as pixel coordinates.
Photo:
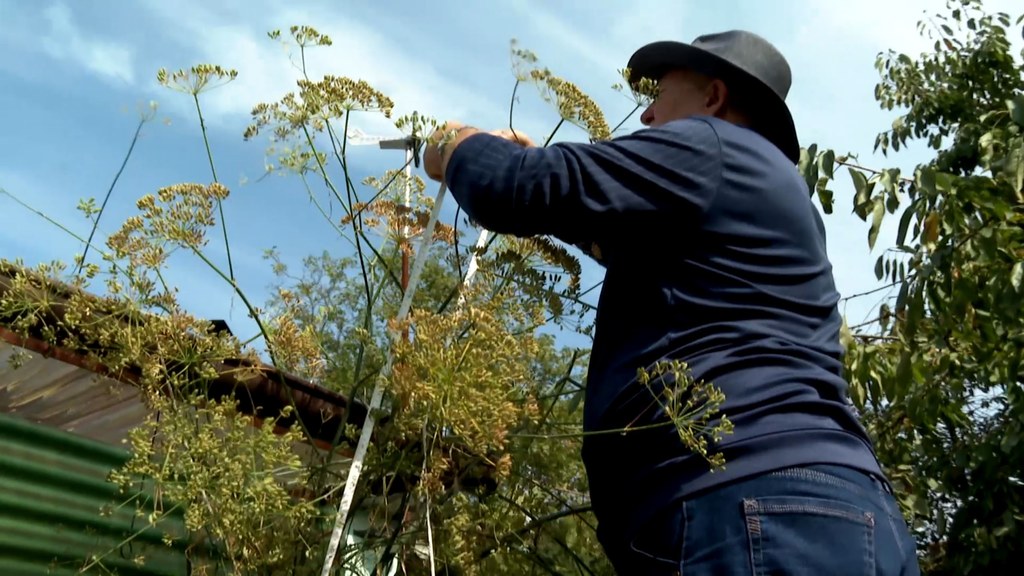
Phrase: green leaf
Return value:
(878, 267)
(1019, 157)
(926, 179)
(1017, 276)
(808, 168)
(904, 373)
(930, 232)
(825, 196)
(862, 196)
(1009, 442)
(876, 222)
(574, 401)
(901, 233)
(845, 334)
(892, 202)
(1016, 108)
(826, 163)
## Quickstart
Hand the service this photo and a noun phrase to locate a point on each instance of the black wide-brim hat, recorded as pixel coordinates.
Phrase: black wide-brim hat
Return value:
(746, 62)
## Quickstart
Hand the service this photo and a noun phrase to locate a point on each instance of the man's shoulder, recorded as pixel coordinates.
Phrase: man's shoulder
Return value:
(700, 129)
(717, 137)
(728, 138)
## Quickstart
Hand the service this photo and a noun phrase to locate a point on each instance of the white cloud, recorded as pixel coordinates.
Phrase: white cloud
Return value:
(64, 40)
(603, 34)
(880, 25)
(577, 40)
(266, 71)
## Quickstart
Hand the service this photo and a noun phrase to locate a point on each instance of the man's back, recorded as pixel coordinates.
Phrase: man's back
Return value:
(742, 290)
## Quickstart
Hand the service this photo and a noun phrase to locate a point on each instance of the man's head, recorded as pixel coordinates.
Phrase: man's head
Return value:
(683, 93)
(736, 75)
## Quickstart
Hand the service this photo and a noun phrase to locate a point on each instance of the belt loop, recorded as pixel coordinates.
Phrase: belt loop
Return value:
(884, 483)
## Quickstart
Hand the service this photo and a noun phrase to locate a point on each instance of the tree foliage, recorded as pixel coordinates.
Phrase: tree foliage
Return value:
(938, 371)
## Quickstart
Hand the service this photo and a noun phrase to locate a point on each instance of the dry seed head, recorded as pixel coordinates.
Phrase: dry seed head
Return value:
(690, 405)
(309, 36)
(315, 104)
(523, 61)
(573, 105)
(199, 454)
(179, 214)
(417, 125)
(466, 369)
(641, 93)
(196, 79)
(334, 95)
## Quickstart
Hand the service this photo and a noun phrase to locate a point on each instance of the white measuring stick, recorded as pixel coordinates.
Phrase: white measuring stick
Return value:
(377, 397)
(473, 265)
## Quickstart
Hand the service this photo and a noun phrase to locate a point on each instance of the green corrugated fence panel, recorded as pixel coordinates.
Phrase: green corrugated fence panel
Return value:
(53, 488)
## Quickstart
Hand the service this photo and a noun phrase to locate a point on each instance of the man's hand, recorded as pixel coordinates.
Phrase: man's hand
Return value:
(517, 137)
(443, 141)
(439, 147)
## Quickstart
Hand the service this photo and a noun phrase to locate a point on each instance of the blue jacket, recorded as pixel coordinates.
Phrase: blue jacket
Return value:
(714, 255)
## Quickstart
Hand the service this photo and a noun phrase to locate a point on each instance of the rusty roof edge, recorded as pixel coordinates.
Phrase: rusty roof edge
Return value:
(263, 396)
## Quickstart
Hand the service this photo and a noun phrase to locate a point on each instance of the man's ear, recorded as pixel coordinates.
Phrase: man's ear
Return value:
(716, 95)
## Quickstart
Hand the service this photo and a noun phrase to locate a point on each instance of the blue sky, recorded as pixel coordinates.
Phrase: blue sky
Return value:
(75, 73)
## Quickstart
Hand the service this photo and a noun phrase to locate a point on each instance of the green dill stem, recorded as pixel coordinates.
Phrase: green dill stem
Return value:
(356, 216)
(360, 355)
(358, 230)
(382, 190)
(552, 317)
(213, 170)
(511, 107)
(320, 208)
(359, 250)
(553, 132)
(63, 228)
(334, 146)
(356, 381)
(110, 190)
(510, 278)
(619, 125)
(163, 283)
(357, 222)
(538, 522)
(593, 432)
(259, 324)
(561, 386)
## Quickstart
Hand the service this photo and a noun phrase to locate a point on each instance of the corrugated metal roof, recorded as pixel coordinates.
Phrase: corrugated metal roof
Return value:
(65, 396)
(52, 490)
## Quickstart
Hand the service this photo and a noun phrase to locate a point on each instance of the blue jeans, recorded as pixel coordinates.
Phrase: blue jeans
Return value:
(814, 520)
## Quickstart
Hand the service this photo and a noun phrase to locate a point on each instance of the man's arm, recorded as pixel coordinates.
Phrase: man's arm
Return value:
(575, 191)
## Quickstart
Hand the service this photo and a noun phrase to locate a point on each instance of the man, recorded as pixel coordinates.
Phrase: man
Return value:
(715, 255)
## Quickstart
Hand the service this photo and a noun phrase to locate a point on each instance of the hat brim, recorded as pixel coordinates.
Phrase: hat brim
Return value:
(773, 118)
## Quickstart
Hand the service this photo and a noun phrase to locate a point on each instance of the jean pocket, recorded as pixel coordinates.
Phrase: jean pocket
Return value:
(802, 535)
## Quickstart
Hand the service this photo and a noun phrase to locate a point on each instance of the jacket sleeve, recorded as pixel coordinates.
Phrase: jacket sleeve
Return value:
(574, 191)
